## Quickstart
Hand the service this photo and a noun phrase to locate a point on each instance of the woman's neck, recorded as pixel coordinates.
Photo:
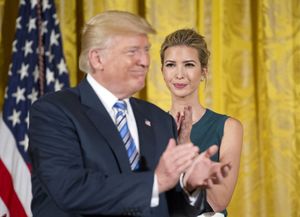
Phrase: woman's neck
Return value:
(179, 104)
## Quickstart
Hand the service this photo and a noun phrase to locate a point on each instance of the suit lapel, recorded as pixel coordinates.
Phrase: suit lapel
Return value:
(104, 124)
(146, 136)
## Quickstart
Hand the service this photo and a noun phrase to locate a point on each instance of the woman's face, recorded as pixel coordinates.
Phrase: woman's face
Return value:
(182, 70)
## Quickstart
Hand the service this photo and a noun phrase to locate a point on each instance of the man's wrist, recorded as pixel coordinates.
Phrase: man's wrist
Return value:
(185, 185)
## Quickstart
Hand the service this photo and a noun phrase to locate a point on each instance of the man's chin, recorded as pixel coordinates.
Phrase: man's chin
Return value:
(139, 86)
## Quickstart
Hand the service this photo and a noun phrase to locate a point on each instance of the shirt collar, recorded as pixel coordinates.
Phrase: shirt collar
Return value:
(104, 95)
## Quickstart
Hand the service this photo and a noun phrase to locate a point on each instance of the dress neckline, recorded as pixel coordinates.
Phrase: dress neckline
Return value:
(203, 117)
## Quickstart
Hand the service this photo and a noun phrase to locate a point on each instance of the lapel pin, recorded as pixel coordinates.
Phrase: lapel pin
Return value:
(148, 123)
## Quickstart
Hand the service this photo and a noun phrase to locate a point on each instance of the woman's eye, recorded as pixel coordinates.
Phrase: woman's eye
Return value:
(189, 65)
(169, 65)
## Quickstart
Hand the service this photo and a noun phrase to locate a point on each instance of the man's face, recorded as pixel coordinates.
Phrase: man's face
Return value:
(125, 63)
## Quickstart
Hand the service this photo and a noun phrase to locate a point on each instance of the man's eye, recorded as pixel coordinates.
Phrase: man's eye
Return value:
(131, 51)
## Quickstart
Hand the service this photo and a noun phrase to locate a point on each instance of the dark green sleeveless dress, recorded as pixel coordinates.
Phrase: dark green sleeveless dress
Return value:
(206, 132)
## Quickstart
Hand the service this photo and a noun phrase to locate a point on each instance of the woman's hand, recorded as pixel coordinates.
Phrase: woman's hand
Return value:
(184, 123)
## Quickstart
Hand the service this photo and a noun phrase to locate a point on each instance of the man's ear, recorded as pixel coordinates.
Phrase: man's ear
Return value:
(95, 59)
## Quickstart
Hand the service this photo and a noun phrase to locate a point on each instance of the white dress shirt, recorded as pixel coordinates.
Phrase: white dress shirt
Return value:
(108, 100)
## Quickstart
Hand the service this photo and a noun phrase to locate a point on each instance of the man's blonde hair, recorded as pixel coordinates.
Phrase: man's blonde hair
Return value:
(102, 27)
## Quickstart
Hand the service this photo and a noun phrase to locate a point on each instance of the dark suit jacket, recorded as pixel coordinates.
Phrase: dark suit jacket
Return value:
(80, 165)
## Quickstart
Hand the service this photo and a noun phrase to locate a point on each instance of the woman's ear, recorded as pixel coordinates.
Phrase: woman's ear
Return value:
(95, 59)
(204, 72)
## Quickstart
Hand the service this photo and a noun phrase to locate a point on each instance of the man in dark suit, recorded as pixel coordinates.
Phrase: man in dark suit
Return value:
(97, 151)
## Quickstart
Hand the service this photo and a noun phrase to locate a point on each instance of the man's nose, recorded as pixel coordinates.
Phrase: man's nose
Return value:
(144, 58)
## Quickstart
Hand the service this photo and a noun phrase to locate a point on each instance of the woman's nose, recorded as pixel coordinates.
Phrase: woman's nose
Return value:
(179, 73)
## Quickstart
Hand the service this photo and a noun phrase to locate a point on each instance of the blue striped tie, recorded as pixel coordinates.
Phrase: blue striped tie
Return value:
(122, 126)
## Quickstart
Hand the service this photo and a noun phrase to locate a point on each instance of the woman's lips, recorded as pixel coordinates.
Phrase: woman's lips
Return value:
(179, 86)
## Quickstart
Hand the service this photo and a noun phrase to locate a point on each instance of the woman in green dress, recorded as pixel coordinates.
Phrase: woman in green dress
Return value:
(184, 58)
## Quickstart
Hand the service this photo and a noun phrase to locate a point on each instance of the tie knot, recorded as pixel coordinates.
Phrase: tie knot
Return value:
(120, 105)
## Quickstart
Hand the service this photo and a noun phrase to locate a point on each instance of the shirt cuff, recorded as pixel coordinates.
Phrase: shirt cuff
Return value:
(191, 196)
(155, 193)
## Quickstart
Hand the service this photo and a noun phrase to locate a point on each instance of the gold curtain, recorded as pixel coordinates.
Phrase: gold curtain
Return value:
(254, 75)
